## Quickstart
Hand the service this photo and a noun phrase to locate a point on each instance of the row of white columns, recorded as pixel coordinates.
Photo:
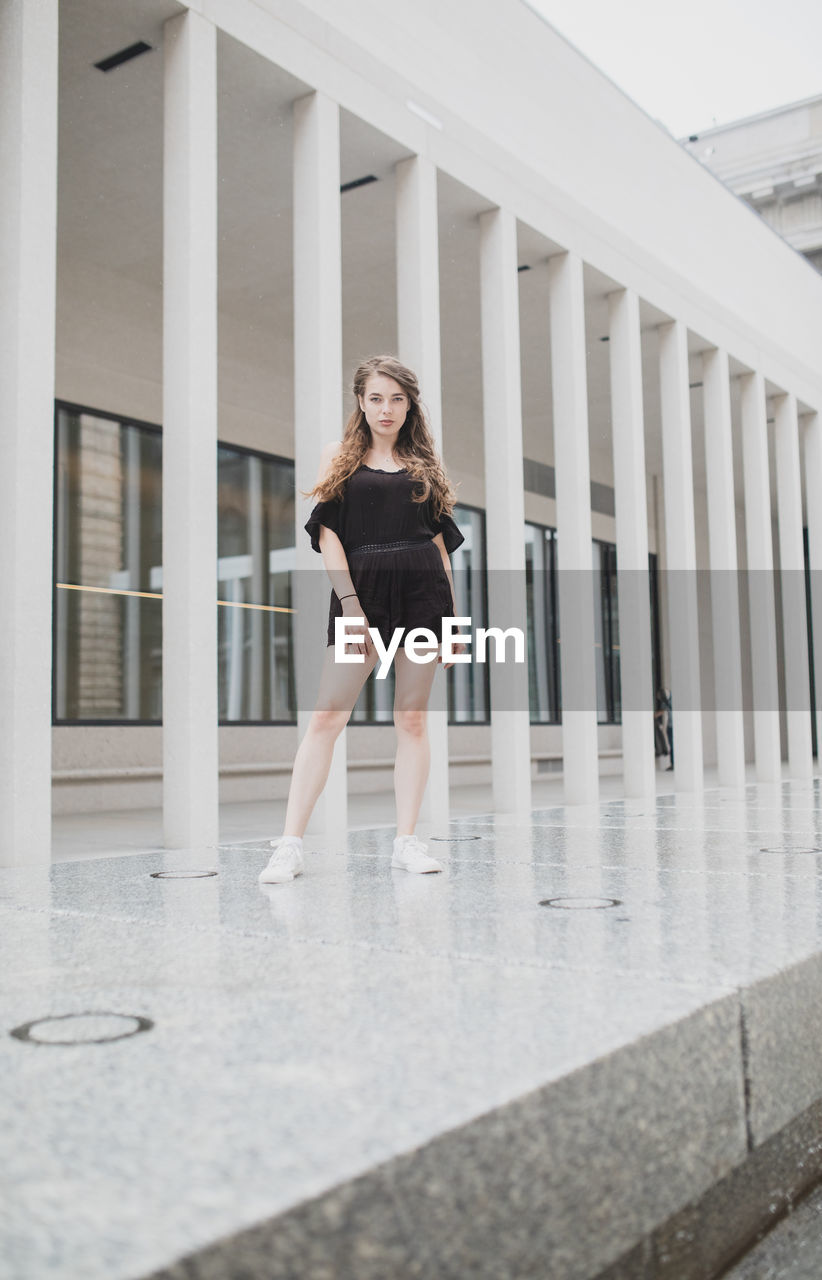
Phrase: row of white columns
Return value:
(28, 86)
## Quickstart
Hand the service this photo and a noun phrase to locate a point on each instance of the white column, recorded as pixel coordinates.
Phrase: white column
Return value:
(761, 608)
(574, 549)
(719, 470)
(28, 238)
(418, 280)
(505, 505)
(680, 555)
(813, 505)
(418, 330)
(318, 409)
(190, 742)
(792, 577)
(631, 505)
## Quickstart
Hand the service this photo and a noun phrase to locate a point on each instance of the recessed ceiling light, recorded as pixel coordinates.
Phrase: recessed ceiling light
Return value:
(125, 55)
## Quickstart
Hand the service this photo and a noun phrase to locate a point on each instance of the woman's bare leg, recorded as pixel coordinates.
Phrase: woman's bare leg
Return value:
(412, 691)
(340, 685)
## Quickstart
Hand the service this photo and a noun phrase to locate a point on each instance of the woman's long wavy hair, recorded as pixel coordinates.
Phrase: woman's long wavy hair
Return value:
(415, 449)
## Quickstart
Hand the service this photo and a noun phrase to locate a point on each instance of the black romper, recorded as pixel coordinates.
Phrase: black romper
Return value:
(396, 570)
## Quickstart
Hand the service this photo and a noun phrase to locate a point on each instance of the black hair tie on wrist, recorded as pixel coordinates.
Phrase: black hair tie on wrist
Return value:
(348, 597)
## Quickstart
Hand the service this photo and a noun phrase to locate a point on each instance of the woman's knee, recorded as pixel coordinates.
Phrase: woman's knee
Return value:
(412, 722)
(328, 722)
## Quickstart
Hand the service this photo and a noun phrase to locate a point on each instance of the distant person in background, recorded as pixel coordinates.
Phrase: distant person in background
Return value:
(664, 725)
(661, 744)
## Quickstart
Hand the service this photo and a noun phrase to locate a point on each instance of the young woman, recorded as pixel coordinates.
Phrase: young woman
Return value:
(384, 529)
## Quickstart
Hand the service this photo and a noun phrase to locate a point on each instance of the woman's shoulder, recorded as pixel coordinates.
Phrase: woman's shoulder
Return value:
(331, 449)
(327, 455)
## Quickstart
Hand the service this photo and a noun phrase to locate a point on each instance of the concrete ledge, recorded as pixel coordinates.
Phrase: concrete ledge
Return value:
(710, 1234)
(557, 1184)
(646, 1125)
(783, 1046)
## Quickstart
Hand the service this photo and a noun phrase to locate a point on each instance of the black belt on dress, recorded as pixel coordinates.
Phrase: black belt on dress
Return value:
(404, 544)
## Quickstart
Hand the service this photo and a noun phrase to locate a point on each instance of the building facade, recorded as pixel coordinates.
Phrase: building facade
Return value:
(211, 214)
(773, 161)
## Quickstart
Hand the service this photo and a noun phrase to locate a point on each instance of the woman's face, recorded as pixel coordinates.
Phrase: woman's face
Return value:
(385, 406)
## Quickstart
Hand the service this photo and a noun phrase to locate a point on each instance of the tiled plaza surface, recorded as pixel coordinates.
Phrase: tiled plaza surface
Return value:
(617, 968)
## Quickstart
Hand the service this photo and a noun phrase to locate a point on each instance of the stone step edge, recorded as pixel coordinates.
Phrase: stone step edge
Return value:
(663, 1160)
(709, 1236)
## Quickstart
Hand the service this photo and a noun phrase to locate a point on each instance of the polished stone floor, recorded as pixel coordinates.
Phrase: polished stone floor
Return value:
(275, 1041)
(91, 835)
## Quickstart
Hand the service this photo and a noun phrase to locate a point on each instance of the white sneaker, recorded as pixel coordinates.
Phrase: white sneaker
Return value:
(411, 855)
(285, 863)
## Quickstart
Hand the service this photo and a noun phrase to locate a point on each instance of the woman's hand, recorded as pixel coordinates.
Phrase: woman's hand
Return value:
(459, 646)
(357, 642)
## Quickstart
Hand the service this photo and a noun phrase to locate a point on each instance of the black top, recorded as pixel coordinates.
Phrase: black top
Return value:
(377, 507)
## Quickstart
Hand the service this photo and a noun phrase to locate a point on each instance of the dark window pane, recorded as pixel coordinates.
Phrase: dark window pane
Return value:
(606, 633)
(543, 657)
(256, 556)
(108, 611)
(108, 576)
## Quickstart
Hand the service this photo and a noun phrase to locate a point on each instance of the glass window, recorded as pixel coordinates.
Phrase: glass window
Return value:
(606, 625)
(256, 556)
(543, 654)
(809, 615)
(469, 682)
(108, 590)
(656, 637)
(606, 634)
(108, 606)
(108, 576)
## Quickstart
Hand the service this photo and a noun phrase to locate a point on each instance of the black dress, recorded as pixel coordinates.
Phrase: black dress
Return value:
(388, 541)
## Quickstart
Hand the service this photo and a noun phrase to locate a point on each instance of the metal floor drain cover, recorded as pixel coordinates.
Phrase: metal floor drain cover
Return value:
(779, 848)
(581, 904)
(181, 875)
(90, 1027)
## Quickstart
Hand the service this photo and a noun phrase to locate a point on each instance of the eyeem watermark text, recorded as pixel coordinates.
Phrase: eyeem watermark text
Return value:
(421, 643)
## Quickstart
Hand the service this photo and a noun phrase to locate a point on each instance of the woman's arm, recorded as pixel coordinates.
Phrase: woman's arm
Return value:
(446, 564)
(336, 566)
(459, 646)
(336, 563)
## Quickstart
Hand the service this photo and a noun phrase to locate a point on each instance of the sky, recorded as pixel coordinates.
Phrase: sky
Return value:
(692, 65)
